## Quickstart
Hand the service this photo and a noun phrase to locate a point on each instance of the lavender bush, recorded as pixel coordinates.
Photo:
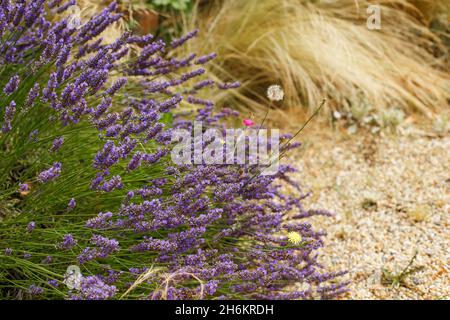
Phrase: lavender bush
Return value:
(86, 177)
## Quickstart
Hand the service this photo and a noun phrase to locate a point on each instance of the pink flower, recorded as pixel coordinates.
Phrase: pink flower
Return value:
(248, 122)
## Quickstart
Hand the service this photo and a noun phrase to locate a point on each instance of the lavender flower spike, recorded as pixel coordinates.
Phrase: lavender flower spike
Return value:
(205, 59)
(35, 290)
(32, 95)
(12, 85)
(93, 288)
(31, 226)
(178, 42)
(72, 204)
(68, 242)
(57, 143)
(24, 187)
(116, 86)
(50, 174)
(9, 114)
(232, 85)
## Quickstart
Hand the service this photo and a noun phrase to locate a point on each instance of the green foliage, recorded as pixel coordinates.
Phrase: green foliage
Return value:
(396, 280)
(22, 159)
(179, 5)
(359, 114)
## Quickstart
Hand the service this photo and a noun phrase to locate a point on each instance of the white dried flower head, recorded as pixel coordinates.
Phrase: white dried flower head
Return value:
(275, 93)
(72, 277)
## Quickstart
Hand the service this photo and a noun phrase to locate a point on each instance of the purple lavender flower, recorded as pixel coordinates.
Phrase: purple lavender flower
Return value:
(35, 290)
(116, 86)
(68, 242)
(54, 283)
(205, 59)
(211, 287)
(88, 254)
(95, 183)
(231, 85)
(106, 246)
(150, 50)
(178, 42)
(48, 93)
(157, 86)
(33, 135)
(165, 106)
(8, 117)
(50, 174)
(47, 260)
(114, 183)
(120, 42)
(102, 221)
(71, 205)
(8, 251)
(108, 121)
(153, 158)
(192, 74)
(102, 107)
(63, 55)
(32, 95)
(93, 288)
(57, 143)
(33, 11)
(114, 130)
(202, 84)
(20, 10)
(24, 187)
(149, 192)
(135, 161)
(137, 270)
(12, 85)
(31, 226)
(143, 40)
(103, 248)
(66, 6)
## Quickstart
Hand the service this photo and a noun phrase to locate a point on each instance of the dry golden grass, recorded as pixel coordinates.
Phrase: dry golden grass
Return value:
(432, 8)
(323, 50)
(315, 50)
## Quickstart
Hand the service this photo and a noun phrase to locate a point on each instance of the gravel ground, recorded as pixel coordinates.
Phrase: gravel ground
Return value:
(391, 197)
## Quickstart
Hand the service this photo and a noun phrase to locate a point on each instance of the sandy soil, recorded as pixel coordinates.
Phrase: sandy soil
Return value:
(391, 199)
